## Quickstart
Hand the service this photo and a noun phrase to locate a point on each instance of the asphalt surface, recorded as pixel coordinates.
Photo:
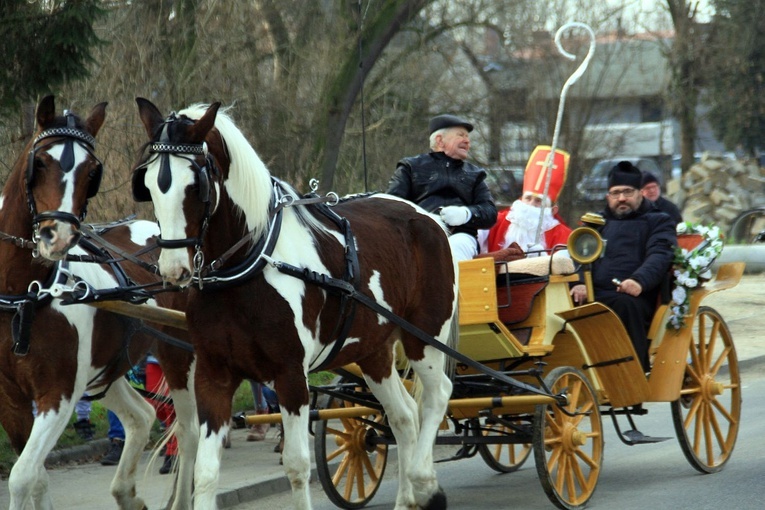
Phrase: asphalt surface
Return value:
(251, 470)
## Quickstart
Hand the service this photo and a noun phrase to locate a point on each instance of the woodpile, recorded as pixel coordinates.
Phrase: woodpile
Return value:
(716, 190)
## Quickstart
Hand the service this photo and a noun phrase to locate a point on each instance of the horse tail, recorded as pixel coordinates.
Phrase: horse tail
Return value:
(168, 434)
(452, 341)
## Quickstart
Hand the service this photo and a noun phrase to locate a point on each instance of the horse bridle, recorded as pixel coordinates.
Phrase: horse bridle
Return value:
(72, 134)
(163, 149)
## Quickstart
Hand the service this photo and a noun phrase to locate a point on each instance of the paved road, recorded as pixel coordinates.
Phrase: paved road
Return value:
(251, 470)
(655, 476)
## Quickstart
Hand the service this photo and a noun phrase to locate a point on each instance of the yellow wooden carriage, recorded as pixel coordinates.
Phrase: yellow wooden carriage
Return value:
(517, 318)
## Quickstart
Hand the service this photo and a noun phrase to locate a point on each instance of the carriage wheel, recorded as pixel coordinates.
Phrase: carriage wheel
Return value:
(748, 226)
(350, 468)
(568, 446)
(504, 458)
(708, 413)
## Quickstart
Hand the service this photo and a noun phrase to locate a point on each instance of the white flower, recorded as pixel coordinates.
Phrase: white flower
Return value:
(679, 295)
(691, 267)
(681, 276)
(700, 262)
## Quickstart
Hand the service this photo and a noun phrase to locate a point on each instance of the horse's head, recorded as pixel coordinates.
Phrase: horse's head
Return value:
(182, 176)
(61, 174)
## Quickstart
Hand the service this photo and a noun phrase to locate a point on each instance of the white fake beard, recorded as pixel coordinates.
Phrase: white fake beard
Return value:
(524, 221)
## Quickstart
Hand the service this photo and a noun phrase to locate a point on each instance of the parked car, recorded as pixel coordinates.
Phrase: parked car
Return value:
(505, 184)
(594, 186)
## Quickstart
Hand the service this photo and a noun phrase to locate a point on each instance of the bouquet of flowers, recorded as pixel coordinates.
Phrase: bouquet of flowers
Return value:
(691, 267)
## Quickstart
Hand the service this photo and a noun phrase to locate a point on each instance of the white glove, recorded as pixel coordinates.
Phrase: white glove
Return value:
(456, 215)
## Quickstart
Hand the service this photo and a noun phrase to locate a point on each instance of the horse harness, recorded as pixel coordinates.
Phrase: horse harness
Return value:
(23, 307)
(162, 149)
(216, 276)
(71, 134)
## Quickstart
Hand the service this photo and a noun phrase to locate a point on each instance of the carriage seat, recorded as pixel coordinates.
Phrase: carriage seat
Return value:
(538, 266)
(519, 282)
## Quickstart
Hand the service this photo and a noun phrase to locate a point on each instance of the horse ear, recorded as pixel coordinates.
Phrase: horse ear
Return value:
(96, 118)
(46, 112)
(199, 130)
(150, 116)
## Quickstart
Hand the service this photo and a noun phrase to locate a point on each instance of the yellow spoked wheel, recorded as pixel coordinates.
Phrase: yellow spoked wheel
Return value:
(504, 458)
(568, 446)
(708, 413)
(349, 465)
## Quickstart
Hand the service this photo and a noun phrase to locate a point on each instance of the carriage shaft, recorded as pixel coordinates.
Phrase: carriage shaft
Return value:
(362, 411)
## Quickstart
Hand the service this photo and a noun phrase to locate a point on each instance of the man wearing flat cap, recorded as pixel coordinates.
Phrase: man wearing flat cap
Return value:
(443, 182)
(639, 248)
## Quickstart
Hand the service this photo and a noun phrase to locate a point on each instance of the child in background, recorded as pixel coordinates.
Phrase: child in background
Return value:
(155, 383)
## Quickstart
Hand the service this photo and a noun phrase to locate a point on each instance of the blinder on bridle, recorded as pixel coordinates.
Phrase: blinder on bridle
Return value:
(72, 134)
(163, 149)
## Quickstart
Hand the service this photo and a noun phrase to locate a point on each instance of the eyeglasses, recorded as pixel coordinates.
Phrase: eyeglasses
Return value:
(628, 193)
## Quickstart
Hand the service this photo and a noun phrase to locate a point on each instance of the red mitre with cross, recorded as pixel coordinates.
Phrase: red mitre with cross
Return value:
(535, 176)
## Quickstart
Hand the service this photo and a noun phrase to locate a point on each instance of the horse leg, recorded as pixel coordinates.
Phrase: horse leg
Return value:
(436, 391)
(214, 387)
(180, 380)
(186, 431)
(28, 481)
(136, 416)
(296, 454)
(401, 411)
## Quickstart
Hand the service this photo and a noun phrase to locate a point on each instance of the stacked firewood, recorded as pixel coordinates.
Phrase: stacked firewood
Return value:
(716, 190)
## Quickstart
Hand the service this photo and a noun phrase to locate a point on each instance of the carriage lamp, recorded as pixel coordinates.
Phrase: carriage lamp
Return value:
(585, 246)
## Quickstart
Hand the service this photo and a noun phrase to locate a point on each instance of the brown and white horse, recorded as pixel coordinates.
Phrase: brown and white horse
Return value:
(248, 319)
(50, 353)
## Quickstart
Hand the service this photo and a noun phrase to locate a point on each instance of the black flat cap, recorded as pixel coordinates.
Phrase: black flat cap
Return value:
(447, 121)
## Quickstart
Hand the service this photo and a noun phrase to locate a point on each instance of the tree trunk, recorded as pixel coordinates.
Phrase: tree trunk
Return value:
(683, 60)
(342, 88)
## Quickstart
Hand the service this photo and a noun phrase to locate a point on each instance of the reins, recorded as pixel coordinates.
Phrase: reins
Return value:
(344, 287)
(20, 242)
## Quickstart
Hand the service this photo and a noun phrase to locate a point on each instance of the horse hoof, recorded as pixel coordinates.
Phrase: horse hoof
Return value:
(437, 500)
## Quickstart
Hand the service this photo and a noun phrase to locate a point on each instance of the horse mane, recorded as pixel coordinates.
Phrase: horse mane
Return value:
(249, 180)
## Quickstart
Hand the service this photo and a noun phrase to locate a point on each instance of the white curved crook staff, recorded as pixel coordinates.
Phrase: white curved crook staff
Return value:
(571, 80)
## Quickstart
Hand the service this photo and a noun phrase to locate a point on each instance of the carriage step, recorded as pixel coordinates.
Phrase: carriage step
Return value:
(632, 437)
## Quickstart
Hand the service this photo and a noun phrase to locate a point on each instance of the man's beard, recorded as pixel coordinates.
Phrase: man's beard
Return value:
(619, 214)
(524, 222)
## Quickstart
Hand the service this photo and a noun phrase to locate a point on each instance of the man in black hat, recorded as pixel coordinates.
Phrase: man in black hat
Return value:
(639, 248)
(442, 182)
(650, 188)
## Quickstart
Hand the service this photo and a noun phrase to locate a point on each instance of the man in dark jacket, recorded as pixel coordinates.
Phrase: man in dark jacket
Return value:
(442, 182)
(650, 188)
(639, 250)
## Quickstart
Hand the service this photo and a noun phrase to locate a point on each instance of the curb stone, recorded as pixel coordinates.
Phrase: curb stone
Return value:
(263, 488)
(78, 454)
